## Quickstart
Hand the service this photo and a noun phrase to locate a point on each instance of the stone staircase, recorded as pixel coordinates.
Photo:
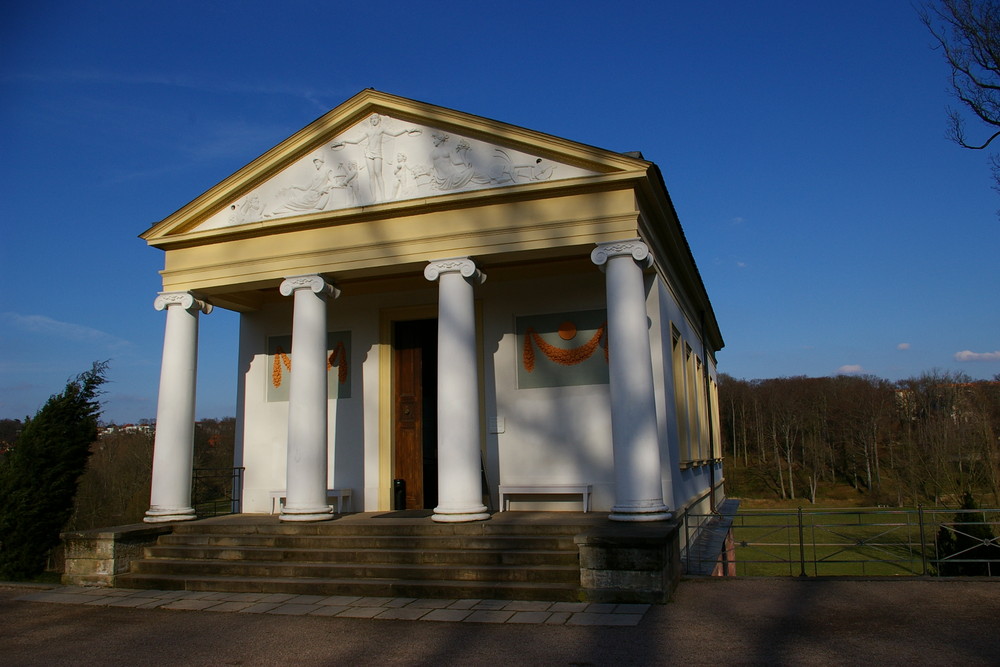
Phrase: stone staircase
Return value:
(375, 556)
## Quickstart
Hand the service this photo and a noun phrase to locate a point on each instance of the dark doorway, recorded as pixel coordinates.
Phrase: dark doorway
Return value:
(415, 411)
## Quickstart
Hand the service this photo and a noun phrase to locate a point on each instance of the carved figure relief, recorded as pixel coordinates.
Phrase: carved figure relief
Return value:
(246, 210)
(383, 159)
(303, 198)
(373, 138)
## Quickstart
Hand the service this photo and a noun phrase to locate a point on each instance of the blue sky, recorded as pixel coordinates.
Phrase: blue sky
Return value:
(835, 227)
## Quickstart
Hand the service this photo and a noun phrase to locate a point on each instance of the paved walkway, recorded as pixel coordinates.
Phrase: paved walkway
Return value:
(384, 608)
(709, 622)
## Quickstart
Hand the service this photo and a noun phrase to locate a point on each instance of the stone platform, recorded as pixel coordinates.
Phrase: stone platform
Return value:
(535, 556)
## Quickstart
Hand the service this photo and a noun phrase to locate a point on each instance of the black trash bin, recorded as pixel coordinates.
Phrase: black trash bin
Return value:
(399, 494)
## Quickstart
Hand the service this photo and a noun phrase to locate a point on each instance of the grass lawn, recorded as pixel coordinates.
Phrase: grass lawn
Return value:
(829, 543)
(851, 541)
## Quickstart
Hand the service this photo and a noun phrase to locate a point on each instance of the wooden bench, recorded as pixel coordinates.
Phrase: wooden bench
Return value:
(506, 490)
(340, 495)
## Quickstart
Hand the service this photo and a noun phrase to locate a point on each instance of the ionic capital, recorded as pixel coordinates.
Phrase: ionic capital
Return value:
(311, 282)
(185, 300)
(634, 247)
(462, 265)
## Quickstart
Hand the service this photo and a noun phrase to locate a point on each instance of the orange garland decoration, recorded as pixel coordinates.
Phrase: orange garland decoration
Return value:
(337, 358)
(339, 353)
(559, 355)
(280, 358)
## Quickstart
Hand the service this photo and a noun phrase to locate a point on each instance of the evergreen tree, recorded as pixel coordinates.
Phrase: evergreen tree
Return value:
(38, 477)
(969, 538)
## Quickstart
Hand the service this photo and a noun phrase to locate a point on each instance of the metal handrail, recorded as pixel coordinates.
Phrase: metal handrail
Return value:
(217, 491)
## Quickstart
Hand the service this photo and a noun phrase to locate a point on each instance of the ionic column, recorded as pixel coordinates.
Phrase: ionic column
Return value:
(173, 446)
(460, 486)
(638, 489)
(306, 471)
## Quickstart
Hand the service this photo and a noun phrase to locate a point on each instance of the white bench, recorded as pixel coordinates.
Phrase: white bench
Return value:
(507, 490)
(340, 495)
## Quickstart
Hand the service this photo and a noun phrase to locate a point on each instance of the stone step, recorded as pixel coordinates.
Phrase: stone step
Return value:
(470, 557)
(434, 542)
(280, 569)
(426, 589)
(529, 557)
(270, 526)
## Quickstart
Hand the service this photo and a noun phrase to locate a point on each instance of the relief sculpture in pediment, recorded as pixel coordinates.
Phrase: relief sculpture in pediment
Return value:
(383, 159)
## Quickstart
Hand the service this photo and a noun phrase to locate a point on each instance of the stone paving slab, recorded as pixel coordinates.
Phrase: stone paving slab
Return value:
(345, 606)
(259, 608)
(329, 610)
(292, 609)
(452, 615)
(134, 601)
(488, 616)
(230, 606)
(530, 617)
(193, 604)
(339, 600)
(430, 604)
(403, 614)
(306, 599)
(361, 612)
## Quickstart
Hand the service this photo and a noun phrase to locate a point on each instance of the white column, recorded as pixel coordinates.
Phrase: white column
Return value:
(173, 447)
(460, 485)
(638, 489)
(306, 472)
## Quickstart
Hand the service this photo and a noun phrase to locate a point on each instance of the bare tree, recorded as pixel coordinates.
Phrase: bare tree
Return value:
(968, 33)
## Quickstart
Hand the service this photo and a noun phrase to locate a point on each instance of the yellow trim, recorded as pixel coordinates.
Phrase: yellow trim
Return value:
(357, 249)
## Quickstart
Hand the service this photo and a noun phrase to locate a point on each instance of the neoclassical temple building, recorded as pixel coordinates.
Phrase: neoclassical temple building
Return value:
(447, 312)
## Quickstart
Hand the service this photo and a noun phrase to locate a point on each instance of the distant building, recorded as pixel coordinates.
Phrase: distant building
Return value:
(110, 429)
(437, 308)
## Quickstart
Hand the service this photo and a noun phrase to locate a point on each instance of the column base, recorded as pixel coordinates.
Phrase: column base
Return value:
(655, 511)
(460, 515)
(170, 514)
(306, 514)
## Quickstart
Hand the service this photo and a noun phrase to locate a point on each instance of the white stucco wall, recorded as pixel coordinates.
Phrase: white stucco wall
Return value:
(551, 435)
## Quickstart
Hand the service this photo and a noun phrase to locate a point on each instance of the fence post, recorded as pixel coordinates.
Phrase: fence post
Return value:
(802, 547)
(923, 540)
(236, 498)
(687, 543)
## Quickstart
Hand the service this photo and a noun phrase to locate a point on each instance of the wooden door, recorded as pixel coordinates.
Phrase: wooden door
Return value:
(415, 410)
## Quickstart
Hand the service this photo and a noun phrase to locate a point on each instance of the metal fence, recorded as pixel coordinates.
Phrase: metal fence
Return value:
(216, 491)
(855, 542)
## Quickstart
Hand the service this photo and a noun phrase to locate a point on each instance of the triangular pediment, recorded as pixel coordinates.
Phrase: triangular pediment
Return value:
(385, 159)
(380, 149)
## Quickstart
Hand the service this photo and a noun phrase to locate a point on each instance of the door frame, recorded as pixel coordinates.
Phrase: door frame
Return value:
(387, 319)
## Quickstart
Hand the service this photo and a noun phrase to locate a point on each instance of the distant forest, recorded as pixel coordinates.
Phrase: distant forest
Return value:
(925, 440)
